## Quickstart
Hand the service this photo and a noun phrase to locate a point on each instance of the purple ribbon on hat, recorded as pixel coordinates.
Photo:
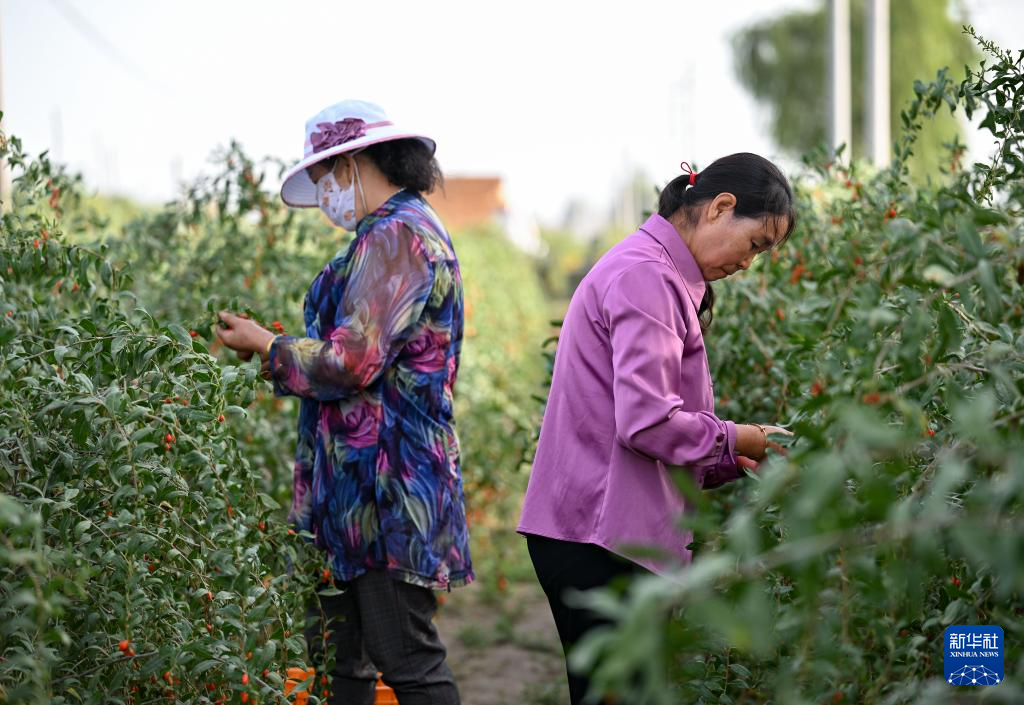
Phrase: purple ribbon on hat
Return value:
(332, 134)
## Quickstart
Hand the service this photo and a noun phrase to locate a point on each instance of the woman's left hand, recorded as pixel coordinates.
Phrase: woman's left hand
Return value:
(745, 462)
(243, 335)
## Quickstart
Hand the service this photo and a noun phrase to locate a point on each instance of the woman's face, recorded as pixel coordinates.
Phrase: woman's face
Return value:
(724, 243)
(342, 170)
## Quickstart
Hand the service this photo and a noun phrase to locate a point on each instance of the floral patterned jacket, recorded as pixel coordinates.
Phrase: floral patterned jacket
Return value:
(377, 468)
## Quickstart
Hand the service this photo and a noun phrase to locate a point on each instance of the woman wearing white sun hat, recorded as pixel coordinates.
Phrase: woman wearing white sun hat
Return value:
(377, 471)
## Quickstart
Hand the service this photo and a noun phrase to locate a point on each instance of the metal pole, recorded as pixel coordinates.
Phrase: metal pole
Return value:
(877, 72)
(840, 123)
(6, 191)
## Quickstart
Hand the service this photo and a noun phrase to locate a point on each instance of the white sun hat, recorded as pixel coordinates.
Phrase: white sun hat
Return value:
(343, 127)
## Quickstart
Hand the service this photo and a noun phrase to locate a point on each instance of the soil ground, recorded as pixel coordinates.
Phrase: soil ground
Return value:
(503, 652)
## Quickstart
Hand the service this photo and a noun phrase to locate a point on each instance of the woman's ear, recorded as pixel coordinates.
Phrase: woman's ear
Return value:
(343, 170)
(721, 205)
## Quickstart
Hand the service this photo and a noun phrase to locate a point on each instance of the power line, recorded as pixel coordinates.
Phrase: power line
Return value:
(97, 39)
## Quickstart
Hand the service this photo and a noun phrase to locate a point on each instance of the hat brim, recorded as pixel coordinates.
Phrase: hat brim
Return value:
(299, 191)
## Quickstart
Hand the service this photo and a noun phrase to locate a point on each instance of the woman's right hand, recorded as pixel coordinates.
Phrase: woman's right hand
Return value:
(754, 444)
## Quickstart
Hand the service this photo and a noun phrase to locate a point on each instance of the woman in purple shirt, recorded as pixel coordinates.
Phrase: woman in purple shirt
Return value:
(631, 392)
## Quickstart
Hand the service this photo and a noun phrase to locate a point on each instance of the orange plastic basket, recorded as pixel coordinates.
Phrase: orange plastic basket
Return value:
(385, 695)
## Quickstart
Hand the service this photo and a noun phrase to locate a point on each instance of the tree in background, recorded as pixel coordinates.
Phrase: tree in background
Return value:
(783, 63)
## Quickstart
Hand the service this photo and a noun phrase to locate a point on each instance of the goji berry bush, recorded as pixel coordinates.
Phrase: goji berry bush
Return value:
(146, 472)
(888, 333)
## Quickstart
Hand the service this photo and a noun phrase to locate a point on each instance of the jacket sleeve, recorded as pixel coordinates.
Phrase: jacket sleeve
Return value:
(643, 311)
(390, 279)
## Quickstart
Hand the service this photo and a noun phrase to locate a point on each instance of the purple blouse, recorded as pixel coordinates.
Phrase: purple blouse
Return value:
(631, 393)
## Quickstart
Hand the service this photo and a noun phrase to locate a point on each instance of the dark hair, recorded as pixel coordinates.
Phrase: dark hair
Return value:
(408, 163)
(761, 191)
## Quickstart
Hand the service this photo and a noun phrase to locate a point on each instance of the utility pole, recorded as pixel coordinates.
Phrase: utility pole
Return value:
(6, 191)
(840, 123)
(877, 72)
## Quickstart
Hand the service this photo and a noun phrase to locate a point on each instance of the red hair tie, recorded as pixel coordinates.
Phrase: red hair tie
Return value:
(685, 166)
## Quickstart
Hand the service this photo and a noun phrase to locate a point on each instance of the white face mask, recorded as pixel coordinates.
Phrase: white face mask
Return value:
(337, 203)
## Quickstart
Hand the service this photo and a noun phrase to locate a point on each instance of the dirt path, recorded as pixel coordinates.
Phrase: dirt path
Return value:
(506, 653)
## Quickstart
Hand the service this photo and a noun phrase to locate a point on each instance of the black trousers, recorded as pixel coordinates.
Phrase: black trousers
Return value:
(380, 624)
(565, 564)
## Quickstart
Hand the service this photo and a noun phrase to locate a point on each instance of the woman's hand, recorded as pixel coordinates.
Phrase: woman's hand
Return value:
(745, 462)
(754, 444)
(243, 336)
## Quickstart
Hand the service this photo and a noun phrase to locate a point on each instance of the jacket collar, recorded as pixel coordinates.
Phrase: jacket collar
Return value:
(666, 234)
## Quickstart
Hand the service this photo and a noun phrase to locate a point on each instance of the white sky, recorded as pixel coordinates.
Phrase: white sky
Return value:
(562, 99)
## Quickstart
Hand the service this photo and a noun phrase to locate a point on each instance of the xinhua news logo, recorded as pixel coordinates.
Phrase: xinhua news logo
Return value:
(974, 655)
